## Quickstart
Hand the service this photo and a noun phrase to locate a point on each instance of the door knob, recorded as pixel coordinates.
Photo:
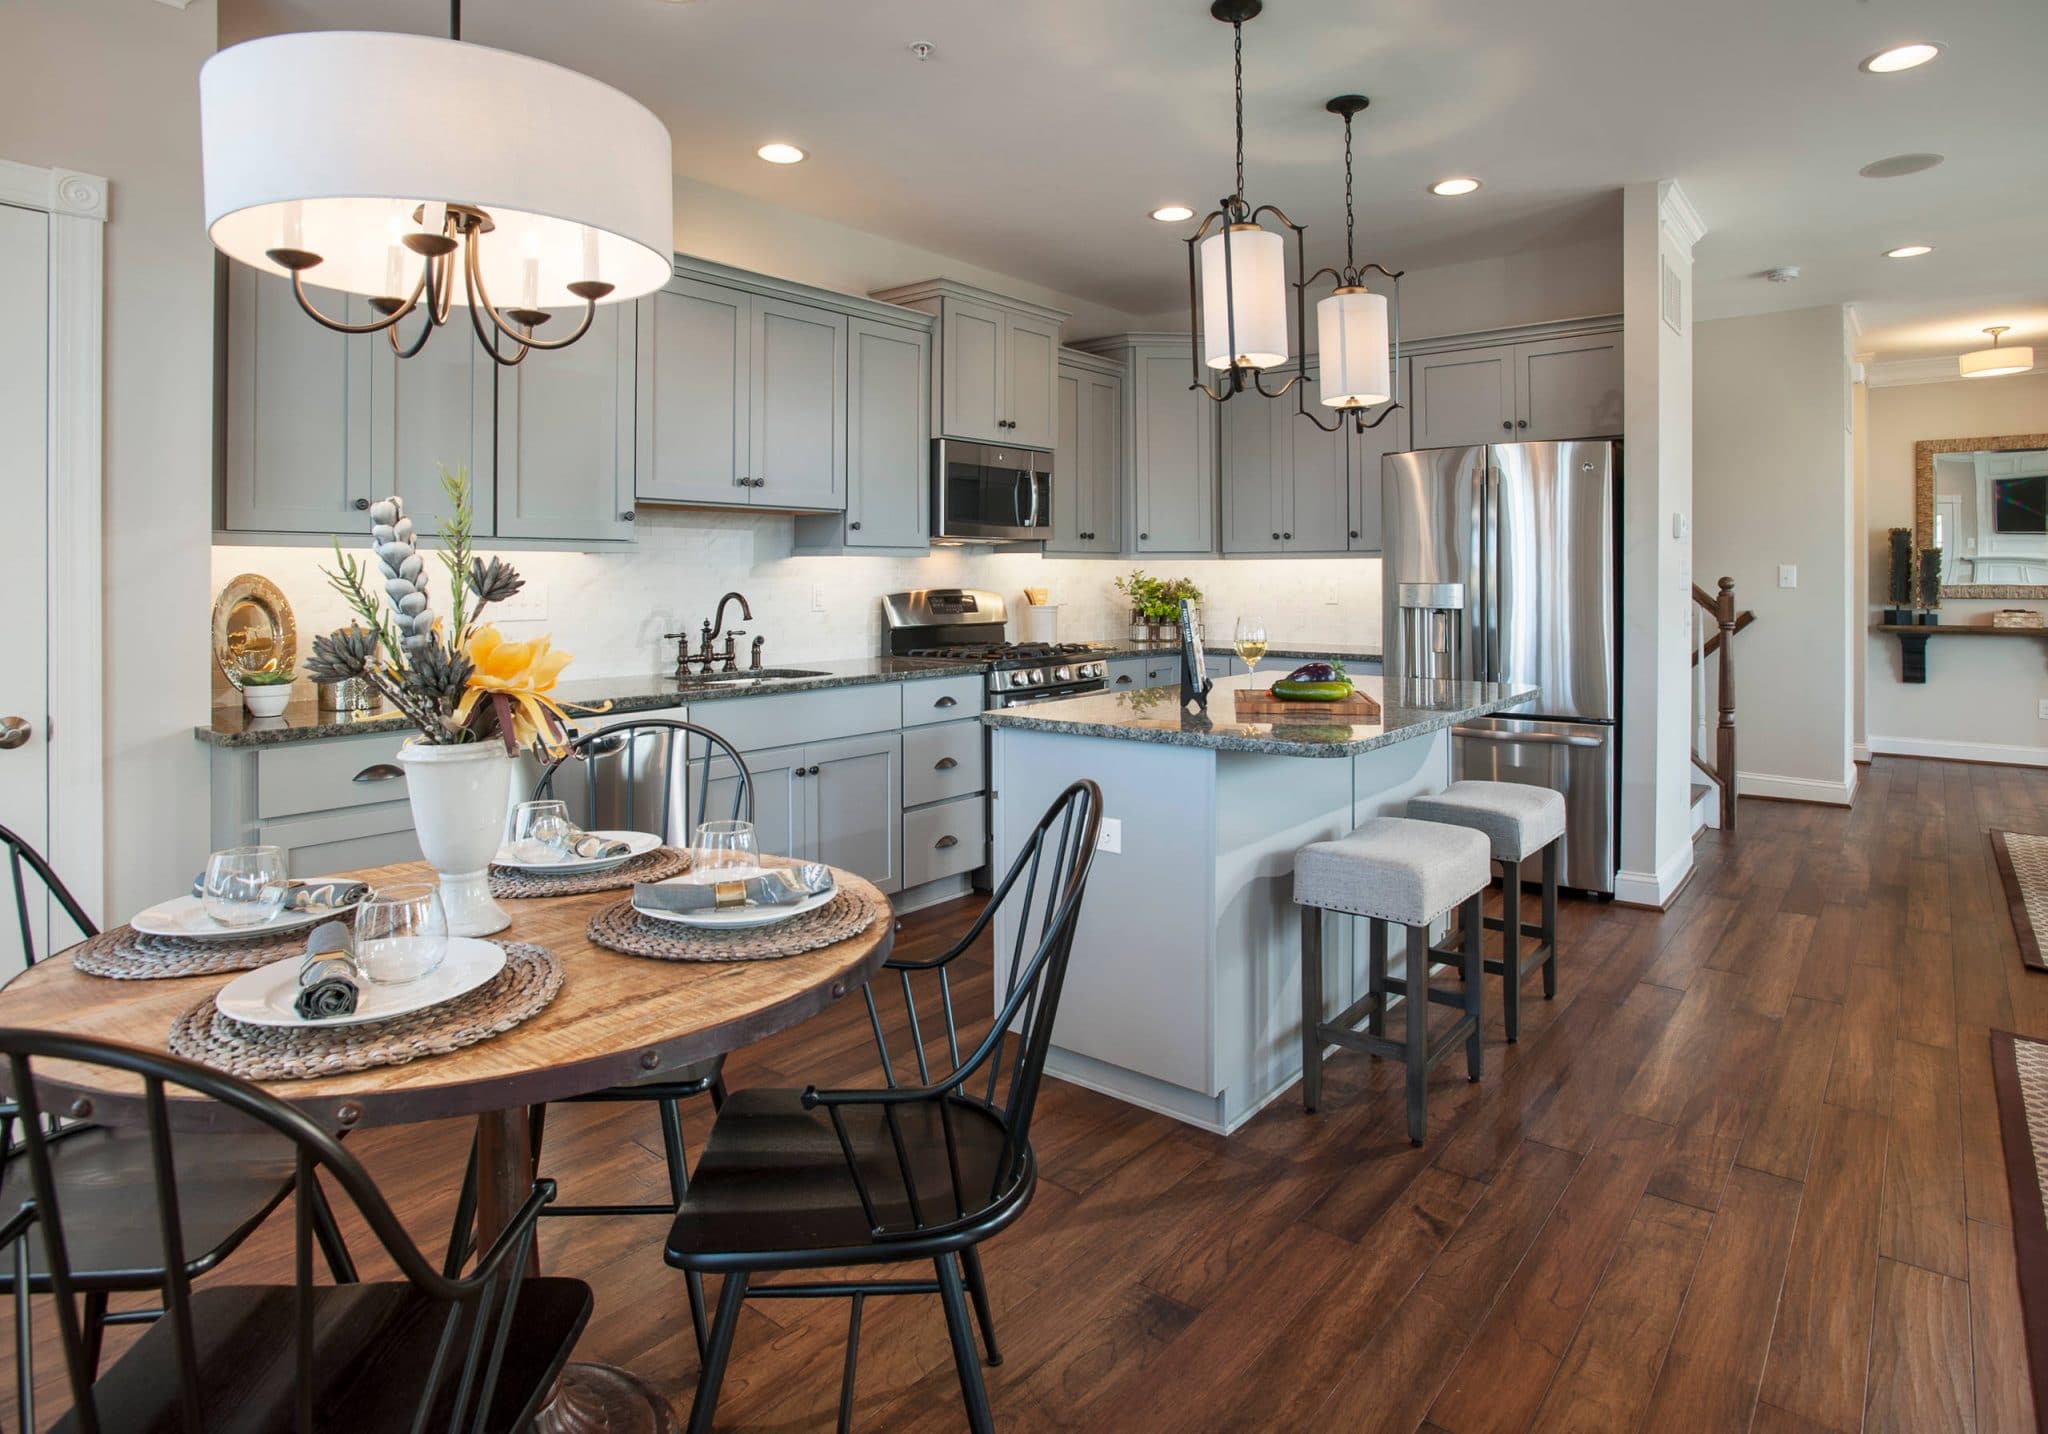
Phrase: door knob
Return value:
(14, 733)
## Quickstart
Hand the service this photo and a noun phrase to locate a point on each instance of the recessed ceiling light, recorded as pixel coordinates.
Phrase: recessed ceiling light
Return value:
(780, 153)
(1900, 57)
(1909, 251)
(1897, 165)
(1172, 213)
(1451, 187)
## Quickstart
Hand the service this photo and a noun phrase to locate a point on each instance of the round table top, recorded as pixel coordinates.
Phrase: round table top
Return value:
(617, 1019)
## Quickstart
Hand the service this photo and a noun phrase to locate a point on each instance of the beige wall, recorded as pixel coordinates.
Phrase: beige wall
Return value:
(110, 87)
(1981, 696)
(1772, 485)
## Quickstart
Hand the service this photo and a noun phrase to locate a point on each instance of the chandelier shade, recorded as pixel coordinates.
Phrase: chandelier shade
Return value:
(1996, 362)
(1252, 293)
(1355, 368)
(341, 144)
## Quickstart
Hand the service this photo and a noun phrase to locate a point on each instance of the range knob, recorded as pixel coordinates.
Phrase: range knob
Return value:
(1063, 674)
(1035, 678)
(1020, 678)
(1091, 669)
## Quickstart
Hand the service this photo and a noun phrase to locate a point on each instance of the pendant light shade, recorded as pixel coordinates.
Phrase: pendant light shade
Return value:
(328, 143)
(1995, 362)
(1253, 293)
(1356, 368)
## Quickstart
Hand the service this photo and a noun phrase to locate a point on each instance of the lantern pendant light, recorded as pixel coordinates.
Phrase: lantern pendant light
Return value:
(1237, 270)
(1996, 362)
(1357, 350)
(424, 174)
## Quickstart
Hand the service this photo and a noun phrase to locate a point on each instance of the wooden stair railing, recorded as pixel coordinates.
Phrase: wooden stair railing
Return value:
(1721, 607)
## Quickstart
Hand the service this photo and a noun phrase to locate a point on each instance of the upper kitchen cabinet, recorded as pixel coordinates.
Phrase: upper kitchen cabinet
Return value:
(436, 409)
(888, 444)
(565, 436)
(1169, 447)
(799, 406)
(1087, 464)
(1366, 451)
(1558, 386)
(1287, 485)
(297, 449)
(997, 371)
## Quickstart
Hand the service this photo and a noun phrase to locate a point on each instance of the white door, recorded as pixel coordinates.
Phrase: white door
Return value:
(24, 555)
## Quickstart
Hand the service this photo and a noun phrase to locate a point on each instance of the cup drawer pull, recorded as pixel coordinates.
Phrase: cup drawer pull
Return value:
(945, 764)
(945, 841)
(947, 702)
(378, 772)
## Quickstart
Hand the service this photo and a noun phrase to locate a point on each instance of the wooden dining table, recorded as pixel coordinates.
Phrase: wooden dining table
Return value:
(617, 1019)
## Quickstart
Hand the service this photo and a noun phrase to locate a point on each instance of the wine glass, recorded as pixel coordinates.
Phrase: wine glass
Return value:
(1251, 643)
(538, 830)
(245, 885)
(726, 850)
(401, 933)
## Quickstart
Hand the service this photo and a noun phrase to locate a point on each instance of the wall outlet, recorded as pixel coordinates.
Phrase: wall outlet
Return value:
(1788, 575)
(1111, 837)
(817, 598)
(529, 604)
(1681, 526)
(2042, 709)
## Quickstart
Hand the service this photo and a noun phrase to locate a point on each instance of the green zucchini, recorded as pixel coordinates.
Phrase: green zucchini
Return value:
(1291, 691)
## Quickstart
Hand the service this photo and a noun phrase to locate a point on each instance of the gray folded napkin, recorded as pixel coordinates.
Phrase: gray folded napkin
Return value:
(328, 974)
(579, 845)
(325, 893)
(780, 886)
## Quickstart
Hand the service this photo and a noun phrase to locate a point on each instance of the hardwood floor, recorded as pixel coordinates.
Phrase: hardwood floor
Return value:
(1743, 1173)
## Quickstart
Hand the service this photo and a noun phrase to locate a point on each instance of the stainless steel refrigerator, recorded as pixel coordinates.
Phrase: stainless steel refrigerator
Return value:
(1501, 565)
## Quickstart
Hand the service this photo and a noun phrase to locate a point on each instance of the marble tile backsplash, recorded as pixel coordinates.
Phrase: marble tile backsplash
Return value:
(611, 609)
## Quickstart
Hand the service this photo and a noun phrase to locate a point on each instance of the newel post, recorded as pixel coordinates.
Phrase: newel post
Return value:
(1724, 735)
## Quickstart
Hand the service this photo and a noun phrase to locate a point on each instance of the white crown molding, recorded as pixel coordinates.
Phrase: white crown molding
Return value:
(54, 191)
(1852, 323)
(1675, 210)
(1897, 373)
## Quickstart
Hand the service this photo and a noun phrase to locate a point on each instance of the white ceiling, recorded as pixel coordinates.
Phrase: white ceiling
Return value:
(1040, 133)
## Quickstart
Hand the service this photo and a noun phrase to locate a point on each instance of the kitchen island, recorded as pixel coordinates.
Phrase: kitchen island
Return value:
(1183, 995)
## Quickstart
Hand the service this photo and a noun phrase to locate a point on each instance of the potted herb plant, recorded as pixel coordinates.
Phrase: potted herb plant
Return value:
(475, 697)
(266, 691)
(1155, 604)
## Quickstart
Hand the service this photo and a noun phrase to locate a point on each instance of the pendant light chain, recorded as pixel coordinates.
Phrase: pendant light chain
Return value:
(1237, 65)
(1350, 219)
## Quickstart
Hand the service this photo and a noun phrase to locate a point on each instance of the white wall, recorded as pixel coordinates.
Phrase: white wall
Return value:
(110, 87)
(1981, 694)
(1772, 485)
(1658, 232)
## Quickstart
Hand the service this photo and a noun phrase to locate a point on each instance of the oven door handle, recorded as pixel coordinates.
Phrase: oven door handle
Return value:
(1538, 739)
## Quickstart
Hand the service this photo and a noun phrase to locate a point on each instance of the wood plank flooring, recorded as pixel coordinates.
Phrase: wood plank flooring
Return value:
(1744, 1173)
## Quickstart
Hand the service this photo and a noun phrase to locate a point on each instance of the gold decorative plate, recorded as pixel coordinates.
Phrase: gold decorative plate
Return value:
(253, 627)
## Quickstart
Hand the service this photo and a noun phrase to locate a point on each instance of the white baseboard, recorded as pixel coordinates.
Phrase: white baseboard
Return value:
(1960, 751)
(1654, 889)
(1794, 789)
(1861, 752)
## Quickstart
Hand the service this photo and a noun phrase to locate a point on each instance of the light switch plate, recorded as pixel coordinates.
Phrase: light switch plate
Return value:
(1788, 575)
(817, 598)
(1111, 837)
(2043, 709)
(1681, 526)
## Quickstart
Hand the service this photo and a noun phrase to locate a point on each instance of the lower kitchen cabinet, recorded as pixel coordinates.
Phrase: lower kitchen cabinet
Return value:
(835, 802)
(336, 805)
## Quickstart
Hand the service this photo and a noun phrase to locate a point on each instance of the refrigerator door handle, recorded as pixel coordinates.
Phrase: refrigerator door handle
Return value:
(1490, 578)
(1539, 739)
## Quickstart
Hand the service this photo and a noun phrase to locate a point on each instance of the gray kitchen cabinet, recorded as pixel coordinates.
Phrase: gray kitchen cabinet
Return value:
(335, 805)
(997, 371)
(436, 409)
(1366, 451)
(1568, 387)
(695, 382)
(888, 445)
(1125, 673)
(566, 436)
(1286, 484)
(855, 795)
(1087, 465)
(1464, 396)
(798, 411)
(1169, 446)
(297, 441)
(1318, 491)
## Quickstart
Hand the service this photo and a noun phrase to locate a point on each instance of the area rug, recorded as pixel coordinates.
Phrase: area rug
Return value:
(2020, 1069)
(2023, 867)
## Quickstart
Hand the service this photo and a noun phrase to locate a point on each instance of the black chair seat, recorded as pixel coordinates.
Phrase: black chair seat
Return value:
(227, 1185)
(373, 1345)
(773, 1181)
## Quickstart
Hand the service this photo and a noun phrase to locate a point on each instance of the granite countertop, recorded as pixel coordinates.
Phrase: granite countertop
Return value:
(304, 722)
(1126, 647)
(1152, 715)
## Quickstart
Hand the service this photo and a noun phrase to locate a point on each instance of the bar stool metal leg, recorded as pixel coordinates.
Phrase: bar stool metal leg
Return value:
(1312, 1007)
(1511, 948)
(1415, 996)
(1376, 976)
(1550, 919)
(1475, 986)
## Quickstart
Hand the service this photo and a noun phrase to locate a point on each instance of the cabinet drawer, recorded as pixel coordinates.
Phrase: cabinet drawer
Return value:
(945, 840)
(325, 776)
(331, 842)
(754, 724)
(943, 761)
(942, 699)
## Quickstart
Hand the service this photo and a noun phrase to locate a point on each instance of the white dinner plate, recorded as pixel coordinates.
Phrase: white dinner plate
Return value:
(734, 918)
(186, 916)
(640, 843)
(264, 997)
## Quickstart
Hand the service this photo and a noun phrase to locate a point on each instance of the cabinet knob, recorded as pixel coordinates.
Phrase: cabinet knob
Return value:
(361, 505)
(1288, 537)
(1276, 537)
(629, 516)
(854, 526)
(814, 771)
(1144, 537)
(1507, 424)
(1521, 423)
(1354, 532)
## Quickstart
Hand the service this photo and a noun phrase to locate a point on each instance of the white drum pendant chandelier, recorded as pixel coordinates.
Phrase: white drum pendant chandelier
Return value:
(1996, 362)
(1356, 345)
(1237, 269)
(422, 173)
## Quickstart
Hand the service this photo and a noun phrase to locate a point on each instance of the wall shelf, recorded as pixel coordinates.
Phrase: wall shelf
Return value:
(1913, 641)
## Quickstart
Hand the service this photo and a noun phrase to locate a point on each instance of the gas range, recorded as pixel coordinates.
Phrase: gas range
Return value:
(971, 625)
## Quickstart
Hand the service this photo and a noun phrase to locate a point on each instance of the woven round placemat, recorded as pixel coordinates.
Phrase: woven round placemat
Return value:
(126, 954)
(620, 928)
(657, 865)
(529, 981)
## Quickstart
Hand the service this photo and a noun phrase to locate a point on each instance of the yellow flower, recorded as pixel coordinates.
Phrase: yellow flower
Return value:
(524, 674)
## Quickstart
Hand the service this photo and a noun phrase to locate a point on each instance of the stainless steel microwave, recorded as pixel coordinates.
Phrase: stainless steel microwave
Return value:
(990, 493)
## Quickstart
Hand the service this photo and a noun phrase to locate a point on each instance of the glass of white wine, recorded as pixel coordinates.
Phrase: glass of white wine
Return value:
(1251, 643)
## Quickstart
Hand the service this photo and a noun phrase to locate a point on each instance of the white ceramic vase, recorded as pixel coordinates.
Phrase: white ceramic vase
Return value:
(268, 700)
(459, 798)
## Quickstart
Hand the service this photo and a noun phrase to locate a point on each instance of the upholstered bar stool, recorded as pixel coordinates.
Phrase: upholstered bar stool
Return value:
(1518, 821)
(1394, 872)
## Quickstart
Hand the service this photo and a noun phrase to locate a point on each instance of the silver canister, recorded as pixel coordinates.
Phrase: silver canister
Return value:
(354, 694)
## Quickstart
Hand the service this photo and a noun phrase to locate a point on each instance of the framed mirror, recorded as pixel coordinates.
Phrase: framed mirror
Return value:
(1984, 503)
(253, 627)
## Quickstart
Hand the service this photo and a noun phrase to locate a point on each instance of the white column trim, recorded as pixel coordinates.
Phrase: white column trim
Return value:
(1897, 373)
(77, 206)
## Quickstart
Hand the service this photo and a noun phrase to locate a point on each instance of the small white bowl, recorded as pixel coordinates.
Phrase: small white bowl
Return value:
(269, 700)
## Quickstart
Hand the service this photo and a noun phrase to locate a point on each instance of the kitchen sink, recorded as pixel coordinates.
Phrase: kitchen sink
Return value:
(764, 674)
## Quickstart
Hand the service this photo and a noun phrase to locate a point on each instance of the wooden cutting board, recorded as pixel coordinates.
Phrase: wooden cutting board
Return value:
(1262, 704)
